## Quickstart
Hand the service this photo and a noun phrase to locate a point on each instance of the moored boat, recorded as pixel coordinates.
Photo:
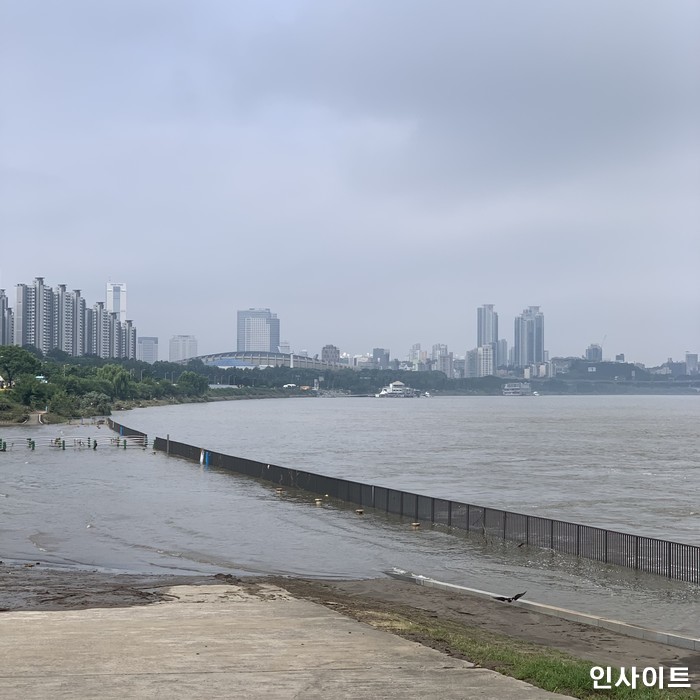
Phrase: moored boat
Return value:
(517, 389)
(397, 390)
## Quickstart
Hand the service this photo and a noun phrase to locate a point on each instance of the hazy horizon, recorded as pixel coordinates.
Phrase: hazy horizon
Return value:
(372, 172)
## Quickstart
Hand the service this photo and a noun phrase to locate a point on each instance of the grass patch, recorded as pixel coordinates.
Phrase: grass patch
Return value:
(538, 665)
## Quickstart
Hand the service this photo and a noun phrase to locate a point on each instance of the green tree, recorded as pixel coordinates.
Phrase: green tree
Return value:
(29, 391)
(119, 380)
(95, 404)
(64, 405)
(192, 384)
(15, 361)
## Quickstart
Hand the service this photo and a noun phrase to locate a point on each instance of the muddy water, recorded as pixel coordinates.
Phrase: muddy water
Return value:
(131, 510)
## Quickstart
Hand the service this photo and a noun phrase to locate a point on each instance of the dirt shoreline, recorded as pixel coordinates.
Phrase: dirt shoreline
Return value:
(39, 587)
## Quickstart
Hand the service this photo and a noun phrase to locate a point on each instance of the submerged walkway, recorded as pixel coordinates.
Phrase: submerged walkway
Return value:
(221, 641)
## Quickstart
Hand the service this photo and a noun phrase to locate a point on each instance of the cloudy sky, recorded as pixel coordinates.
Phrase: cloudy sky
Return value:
(372, 170)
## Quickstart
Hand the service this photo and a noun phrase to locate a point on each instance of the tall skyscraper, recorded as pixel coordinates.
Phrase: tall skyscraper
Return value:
(116, 300)
(147, 349)
(487, 332)
(258, 331)
(182, 347)
(528, 342)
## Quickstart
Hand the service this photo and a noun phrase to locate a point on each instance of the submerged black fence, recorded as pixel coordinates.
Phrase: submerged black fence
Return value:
(671, 559)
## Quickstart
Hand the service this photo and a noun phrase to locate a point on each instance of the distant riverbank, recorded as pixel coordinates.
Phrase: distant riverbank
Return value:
(34, 418)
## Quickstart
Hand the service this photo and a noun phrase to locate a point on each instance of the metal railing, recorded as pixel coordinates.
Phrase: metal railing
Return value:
(671, 559)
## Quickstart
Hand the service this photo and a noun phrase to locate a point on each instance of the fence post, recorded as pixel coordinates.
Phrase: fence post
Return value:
(578, 540)
(606, 546)
(527, 529)
(167, 444)
(449, 513)
(505, 517)
(636, 552)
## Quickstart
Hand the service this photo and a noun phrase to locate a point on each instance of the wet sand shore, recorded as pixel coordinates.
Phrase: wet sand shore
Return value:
(38, 587)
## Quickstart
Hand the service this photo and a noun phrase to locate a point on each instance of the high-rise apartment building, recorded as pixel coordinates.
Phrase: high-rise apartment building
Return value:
(147, 349)
(115, 300)
(528, 342)
(99, 339)
(34, 315)
(487, 331)
(471, 363)
(445, 363)
(484, 361)
(69, 308)
(691, 363)
(258, 331)
(182, 347)
(7, 320)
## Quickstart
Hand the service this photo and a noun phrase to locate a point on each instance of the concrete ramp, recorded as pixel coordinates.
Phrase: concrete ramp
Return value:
(222, 641)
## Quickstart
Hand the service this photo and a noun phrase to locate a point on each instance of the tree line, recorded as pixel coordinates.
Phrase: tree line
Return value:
(71, 387)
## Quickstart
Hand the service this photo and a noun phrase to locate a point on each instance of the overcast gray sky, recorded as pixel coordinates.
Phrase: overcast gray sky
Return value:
(372, 171)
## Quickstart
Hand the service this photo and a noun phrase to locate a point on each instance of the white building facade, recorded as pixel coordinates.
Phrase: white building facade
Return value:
(182, 347)
(258, 331)
(115, 300)
(147, 349)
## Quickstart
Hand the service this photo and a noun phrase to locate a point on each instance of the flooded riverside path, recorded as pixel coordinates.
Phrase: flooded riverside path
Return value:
(135, 511)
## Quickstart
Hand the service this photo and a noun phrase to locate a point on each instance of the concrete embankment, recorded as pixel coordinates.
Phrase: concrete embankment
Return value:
(224, 641)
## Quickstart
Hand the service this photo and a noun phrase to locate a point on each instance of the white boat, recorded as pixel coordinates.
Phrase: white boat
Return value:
(517, 389)
(396, 390)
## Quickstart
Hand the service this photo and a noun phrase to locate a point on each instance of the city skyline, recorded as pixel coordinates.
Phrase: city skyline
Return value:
(371, 183)
(58, 319)
(258, 329)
